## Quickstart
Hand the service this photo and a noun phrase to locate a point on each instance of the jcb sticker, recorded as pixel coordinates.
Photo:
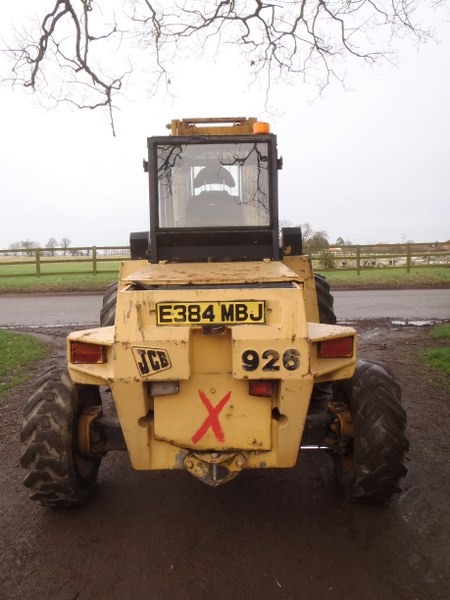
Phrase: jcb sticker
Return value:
(151, 360)
(269, 360)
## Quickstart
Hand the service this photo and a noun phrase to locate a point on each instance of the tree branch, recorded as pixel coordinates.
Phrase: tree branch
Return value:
(67, 57)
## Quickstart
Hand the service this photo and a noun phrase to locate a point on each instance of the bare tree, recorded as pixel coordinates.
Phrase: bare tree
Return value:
(82, 51)
(307, 232)
(51, 246)
(15, 248)
(29, 246)
(319, 240)
(65, 243)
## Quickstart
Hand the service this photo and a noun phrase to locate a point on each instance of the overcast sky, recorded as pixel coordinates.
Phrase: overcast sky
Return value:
(369, 165)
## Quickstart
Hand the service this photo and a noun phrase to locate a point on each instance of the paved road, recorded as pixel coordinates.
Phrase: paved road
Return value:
(49, 311)
(393, 304)
(80, 310)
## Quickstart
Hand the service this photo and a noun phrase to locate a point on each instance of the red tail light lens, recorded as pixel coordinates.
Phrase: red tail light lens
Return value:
(260, 388)
(82, 353)
(336, 348)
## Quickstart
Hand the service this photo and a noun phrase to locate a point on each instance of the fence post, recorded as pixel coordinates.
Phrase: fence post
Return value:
(408, 258)
(37, 254)
(358, 260)
(94, 260)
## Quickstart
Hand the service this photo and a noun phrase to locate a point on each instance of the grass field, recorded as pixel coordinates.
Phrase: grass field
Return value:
(25, 269)
(79, 277)
(17, 353)
(419, 277)
(57, 277)
(439, 358)
(57, 283)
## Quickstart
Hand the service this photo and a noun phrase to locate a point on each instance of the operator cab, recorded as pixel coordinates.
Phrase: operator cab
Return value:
(213, 193)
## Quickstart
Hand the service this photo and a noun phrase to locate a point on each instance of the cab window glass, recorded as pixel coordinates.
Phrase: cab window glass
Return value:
(213, 185)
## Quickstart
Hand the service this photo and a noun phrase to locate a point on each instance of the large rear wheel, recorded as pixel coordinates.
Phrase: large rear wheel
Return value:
(325, 300)
(371, 470)
(322, 392)
(57, 475)
(108, 310)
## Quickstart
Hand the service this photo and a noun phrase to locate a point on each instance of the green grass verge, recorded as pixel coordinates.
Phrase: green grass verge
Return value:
(18, 352)
(439, 358)
(441, 332)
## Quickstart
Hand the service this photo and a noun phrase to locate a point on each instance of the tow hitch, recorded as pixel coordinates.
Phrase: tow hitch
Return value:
(214, 468)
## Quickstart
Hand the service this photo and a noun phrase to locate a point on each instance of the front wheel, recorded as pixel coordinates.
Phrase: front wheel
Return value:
(371, 470)
(57, 475)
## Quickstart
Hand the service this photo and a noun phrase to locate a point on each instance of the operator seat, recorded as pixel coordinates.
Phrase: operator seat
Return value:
(214, 207)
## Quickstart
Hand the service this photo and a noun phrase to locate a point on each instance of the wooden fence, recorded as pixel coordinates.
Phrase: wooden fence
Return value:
(86, 259)
(94, 259)
(361, 257)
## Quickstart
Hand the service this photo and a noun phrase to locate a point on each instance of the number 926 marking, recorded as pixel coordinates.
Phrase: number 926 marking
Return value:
(269, 360)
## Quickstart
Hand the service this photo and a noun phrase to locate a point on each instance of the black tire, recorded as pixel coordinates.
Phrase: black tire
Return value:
(371, 471)
(322, 391)
(56, 474)
(325, 300)
(108, 310)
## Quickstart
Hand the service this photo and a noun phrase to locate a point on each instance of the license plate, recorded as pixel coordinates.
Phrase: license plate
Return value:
(211, 313)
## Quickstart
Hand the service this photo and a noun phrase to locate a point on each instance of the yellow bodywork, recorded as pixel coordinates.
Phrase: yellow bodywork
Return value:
(206, 411)
(212, 126)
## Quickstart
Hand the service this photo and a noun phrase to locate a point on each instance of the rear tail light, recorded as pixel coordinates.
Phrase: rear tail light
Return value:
(82, 353)
(336, 348)
(258, 387)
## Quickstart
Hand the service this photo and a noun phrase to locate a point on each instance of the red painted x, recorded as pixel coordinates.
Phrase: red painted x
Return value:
(212, 420)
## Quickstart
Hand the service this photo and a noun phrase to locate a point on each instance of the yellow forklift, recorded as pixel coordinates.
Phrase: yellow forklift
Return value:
(218, 343)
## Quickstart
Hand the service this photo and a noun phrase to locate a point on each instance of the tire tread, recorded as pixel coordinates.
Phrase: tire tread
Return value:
(108, 310)
(48, 447)
(380, 442)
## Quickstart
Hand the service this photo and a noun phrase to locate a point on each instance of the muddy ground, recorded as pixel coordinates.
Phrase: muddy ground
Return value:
(276, 534)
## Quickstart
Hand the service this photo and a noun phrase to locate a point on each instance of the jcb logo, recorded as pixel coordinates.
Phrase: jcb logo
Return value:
(151, 360)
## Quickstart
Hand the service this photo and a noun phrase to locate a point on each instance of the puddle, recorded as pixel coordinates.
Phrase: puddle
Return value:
(420, 323)
(368, 335)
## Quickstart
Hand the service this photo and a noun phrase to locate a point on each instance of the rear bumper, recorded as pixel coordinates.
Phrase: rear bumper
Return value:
(162, 430)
